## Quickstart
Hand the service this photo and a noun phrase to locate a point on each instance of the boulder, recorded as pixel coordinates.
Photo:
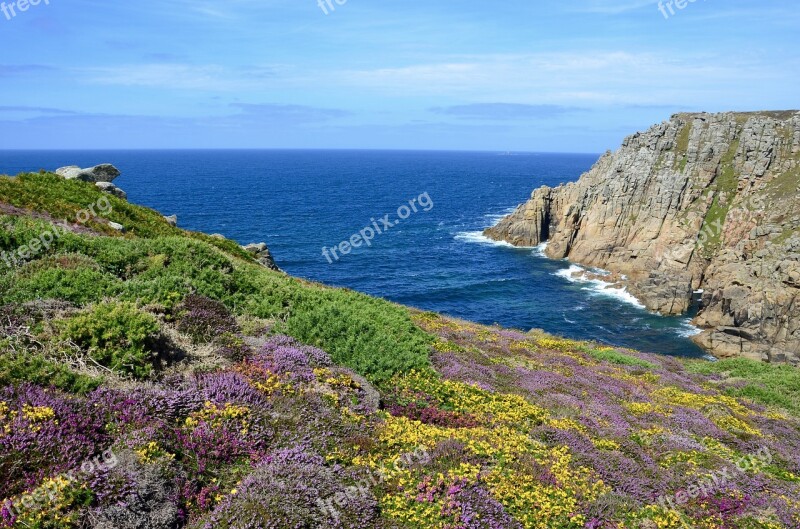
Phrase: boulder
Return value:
(116, 226)
(261, 254)
(108, 187)
(172, 220)
(256, 248)
(98, 173)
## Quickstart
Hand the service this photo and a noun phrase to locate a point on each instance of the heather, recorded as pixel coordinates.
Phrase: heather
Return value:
(153, 379)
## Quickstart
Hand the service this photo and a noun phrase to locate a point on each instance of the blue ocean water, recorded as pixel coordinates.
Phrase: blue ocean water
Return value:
(300, 202)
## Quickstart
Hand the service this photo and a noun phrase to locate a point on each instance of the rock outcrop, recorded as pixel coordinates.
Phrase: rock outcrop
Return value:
(262, 255)
(98, 173)
(702, 202)
(110, 188)
(101, 175)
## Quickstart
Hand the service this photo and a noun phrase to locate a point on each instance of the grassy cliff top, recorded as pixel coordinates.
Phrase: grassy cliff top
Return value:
(210, 391)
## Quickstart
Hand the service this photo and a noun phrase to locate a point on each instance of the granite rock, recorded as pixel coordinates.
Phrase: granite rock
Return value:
(705, 202)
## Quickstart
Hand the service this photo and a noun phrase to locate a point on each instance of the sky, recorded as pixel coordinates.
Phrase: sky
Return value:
(507, 75)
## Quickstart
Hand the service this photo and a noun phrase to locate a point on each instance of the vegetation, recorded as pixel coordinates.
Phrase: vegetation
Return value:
(772, 385)
(118, 336)
(609, 354)
(298, 405)
(36, 369)
(156, 264)
(682, 146)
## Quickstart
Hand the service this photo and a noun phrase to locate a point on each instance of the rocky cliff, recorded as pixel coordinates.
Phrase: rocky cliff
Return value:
(705, 202)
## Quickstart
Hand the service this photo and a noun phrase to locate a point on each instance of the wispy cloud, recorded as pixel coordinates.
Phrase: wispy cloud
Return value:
(609, 7)
(35, 110)
(13, 70)
(566, 78)
(295, 114)
(503, 111)
(178, 76)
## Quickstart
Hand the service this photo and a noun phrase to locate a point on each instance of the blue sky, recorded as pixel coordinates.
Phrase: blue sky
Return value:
(567, 76)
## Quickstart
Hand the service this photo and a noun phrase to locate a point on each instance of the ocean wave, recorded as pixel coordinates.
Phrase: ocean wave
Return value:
(687, 330)
(597, 287)
(477, 237)
(539, 250)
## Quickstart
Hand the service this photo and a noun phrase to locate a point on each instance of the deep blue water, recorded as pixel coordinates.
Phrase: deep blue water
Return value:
(301, 201)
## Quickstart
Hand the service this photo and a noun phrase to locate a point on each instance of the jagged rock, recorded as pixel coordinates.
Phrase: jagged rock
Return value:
(98, 173)
(256, 248)
(261, 254)
(108, 187)
(172, 220)
(702, 201)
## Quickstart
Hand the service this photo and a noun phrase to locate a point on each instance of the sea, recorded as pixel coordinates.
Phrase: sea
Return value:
(402, 225)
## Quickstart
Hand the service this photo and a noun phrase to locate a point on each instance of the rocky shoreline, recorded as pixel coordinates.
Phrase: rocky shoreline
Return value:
(702, 202)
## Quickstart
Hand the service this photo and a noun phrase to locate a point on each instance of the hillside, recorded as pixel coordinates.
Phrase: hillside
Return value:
(702, 202)
(152, 377)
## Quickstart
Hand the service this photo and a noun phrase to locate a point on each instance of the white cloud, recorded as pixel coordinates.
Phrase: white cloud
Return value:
(599, 77)
(211, 77)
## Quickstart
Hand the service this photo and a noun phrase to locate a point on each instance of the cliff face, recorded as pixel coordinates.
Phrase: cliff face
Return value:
(701, 201)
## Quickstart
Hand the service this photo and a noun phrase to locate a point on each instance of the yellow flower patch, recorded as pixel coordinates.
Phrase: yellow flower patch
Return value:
(724, 411)
(537, 505)
(606, 444)
(152, 452)
(215, 416)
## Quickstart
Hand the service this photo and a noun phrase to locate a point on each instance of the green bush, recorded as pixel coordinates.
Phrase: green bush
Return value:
(118, 336)
(372, 336)
(16, 368)
(76, 285)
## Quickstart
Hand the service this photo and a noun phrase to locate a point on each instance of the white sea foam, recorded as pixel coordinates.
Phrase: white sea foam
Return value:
(477, 237)
(597, 287)
(539, 250)
(687, 330)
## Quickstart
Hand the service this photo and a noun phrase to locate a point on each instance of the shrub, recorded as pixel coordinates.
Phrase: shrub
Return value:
(204, 319)
(16, 368)
(371, 336)
(118, 336)
(76, 285)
